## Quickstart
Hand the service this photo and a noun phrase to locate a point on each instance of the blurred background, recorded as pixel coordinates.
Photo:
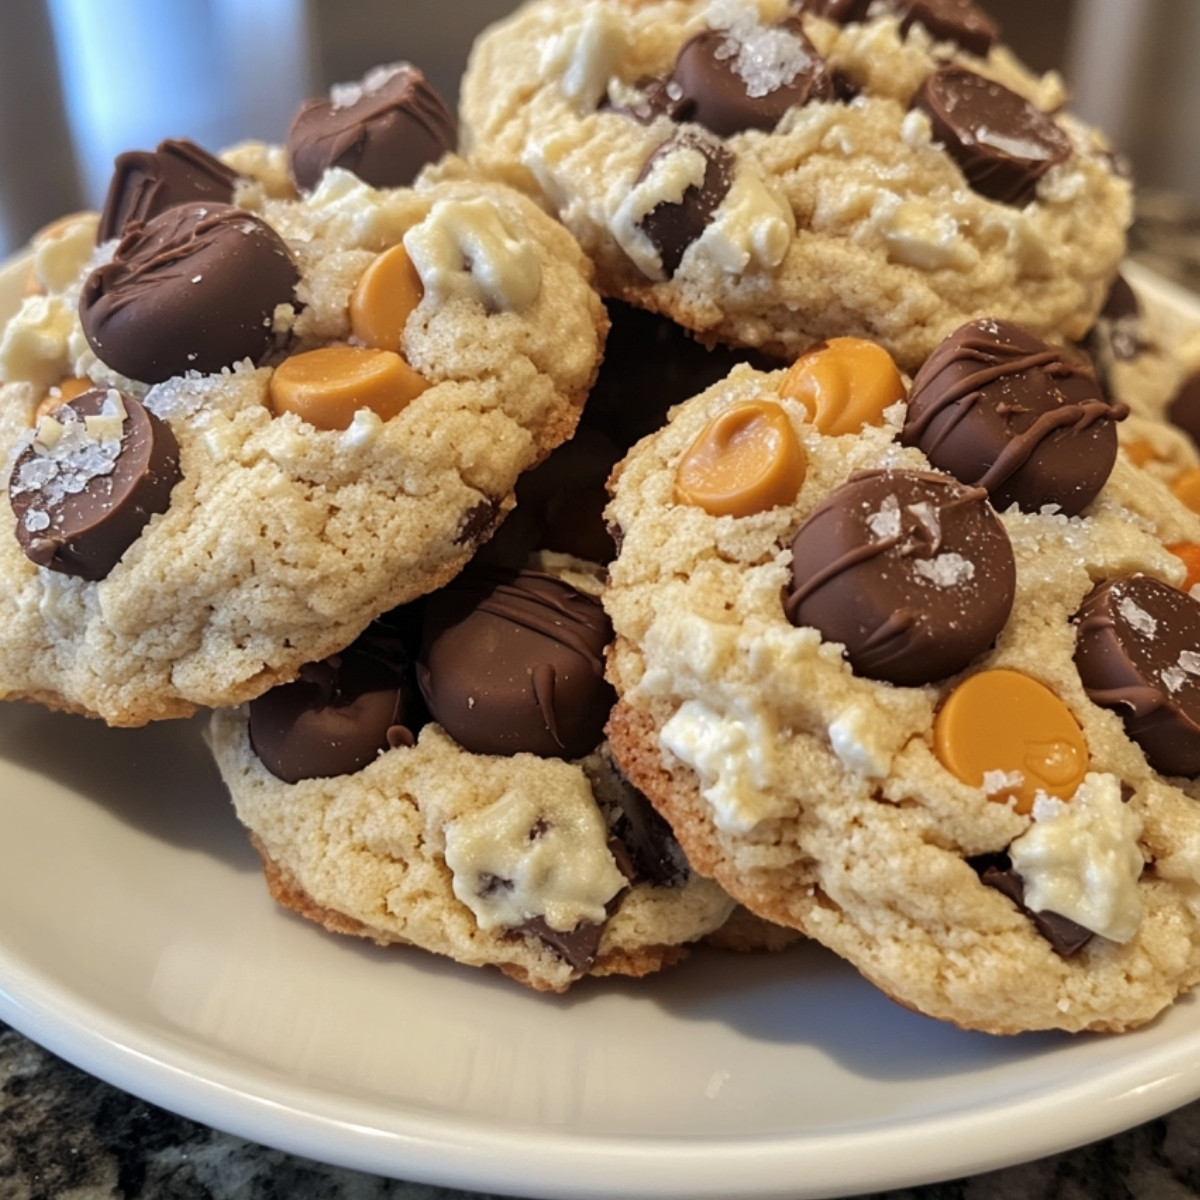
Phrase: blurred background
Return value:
(82, 80)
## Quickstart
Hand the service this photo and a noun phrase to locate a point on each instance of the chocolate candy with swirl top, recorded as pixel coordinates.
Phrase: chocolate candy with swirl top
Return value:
(910, 570)
(88, 481)
(1137, 651)
(513, 661)
(194, 289)
(145, 183)
(1000, 409)
(341, 713)
(1002, 143)
(731, 80)
(384, 129)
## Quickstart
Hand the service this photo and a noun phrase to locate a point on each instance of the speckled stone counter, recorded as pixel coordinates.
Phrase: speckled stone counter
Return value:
(66, 1136)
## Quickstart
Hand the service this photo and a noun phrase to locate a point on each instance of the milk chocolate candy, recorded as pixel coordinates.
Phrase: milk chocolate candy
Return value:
(1137, 651)
(194, 289)
(1000, 409)
(145, 183)
(513, 661)
(729, 83)
(910, 570)
(87, 484)
(1002, 143)
(959, 21)
(340, 714)
(673, 227)
(384, 129)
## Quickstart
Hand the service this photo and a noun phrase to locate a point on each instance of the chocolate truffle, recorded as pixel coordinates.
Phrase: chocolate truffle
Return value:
(89, 480)
(340, 714)
(145, 183)
(384, 129)
(673, 227)
(1000, 409)
(1002, 143)
(513, 661)
(1137, 651)
(911, 571)
(194, 289)
(728, 81)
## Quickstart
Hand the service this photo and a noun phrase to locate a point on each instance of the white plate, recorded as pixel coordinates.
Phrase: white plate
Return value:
(137, 940)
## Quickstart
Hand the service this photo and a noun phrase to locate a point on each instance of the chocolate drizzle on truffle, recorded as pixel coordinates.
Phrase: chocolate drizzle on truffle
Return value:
(384, 129)
(1002, 143)
(911, 571)
(194, 289)
(513, 661)
(1137, 651)
(1000, 409)
(146, 183)
(82, 502)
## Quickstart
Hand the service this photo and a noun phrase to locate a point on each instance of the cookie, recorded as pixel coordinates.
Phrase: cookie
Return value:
(935, 722)
(336, 390)
(770, 174)
(514, 843)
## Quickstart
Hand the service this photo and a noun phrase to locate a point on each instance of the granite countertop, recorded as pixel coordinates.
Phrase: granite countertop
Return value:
(67, 1136)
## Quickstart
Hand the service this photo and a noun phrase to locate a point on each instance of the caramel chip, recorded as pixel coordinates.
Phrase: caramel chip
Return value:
(1006, 723)
(385, 296)
(1187, 488)
(326, 387)
(62, 393)
(845, 383)
(1189, 552)
(746, 460)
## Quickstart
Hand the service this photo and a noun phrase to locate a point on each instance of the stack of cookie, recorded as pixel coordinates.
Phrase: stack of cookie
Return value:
(905, 648)
(883, 634)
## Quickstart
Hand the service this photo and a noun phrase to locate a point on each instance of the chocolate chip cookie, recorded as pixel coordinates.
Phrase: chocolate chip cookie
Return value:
(769, 173)
(913, 687)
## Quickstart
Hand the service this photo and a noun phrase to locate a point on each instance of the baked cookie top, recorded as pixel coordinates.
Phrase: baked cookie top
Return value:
(867, 699)
(443, 783)
(338, 388)
(770, 173)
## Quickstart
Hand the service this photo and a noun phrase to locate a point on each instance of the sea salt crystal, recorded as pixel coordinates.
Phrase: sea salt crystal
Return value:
(885, 523)
(1015, 146)
(344, 95)
(945, 570)
(1138, 619)
(765, 59)
(1001, 781)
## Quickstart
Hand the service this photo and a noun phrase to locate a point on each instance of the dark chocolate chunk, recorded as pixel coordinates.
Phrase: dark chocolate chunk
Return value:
(478, 523)
(578, 946)
(341, 713)
(513, 661)
(653, 850)
(194, 289)
(1000, 409)
(1184, 409)
(384, 129)
(911, 571)
(81, 503)
(1066, 937)
(1003, 144)
(654, 98)
(727, 84)
(145, 183)
(1137, 651)
(1118, 335)
(673, 227)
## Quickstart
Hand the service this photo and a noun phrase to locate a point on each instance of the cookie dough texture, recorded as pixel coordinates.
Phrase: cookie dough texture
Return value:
(282, 542)
(392, 853)
(815, 797)
(846, 219)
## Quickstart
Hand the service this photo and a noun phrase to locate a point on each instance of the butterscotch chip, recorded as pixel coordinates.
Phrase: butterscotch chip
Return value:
(282, 540)
(384, 298)
(844, 383)
(744, 461)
